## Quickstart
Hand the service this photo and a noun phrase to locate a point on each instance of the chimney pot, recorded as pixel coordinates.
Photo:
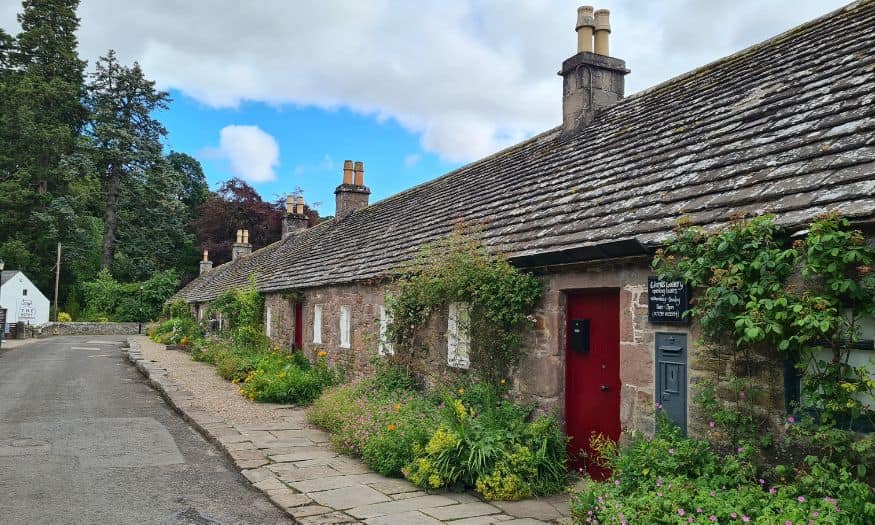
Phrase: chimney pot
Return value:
(351, 197)
(359, 173)
(206, 255)
(245, 236)
(299, 208)
(585, 28)
(592, 81)
(347, 172)
(290, 204)
(206, 265)
(602, 31)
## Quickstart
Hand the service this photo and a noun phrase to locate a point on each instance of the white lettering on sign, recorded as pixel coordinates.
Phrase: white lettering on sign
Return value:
(26, 309)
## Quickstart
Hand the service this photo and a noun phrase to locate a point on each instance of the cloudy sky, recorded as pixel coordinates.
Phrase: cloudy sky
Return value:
(280, 92)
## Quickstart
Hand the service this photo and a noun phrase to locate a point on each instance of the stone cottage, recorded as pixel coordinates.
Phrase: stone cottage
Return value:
(785, 127)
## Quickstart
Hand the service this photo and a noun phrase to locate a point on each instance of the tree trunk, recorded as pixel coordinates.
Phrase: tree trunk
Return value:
(110, 219)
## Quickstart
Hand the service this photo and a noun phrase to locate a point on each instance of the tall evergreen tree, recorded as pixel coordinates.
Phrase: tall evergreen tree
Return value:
(41, 115)
(126, 139)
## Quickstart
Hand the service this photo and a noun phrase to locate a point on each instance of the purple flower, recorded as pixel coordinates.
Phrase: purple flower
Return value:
(658, 406)
(788, 522)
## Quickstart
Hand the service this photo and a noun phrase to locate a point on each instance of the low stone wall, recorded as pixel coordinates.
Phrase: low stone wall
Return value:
(50, 329)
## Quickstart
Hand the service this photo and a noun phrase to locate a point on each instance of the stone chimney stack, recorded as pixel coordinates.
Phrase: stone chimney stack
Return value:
(242, 246)
(591, 80)
(295, 220)
(206, 263)
(352, 195)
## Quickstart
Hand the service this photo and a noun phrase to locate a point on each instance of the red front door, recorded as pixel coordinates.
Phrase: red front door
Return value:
(592, 372)
(299, 326)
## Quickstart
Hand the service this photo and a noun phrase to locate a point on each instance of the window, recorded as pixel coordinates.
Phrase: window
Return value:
(24, 292)
(344, 327)
(385, 345)
(268, 321)
(458, 337)
(317, 324)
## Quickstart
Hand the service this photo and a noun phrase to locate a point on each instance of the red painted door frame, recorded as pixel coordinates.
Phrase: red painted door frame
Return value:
(592, 378)
(299, 326)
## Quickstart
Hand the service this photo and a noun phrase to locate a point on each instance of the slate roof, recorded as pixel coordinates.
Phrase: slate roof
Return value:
(786, 126)
(5, 275)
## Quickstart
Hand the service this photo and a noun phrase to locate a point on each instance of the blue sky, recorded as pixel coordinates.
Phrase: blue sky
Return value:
(313, 145)
(281, 92)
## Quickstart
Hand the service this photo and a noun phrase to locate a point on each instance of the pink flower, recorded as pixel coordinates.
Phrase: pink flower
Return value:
(815, 514)
(745, 519)
(711, 493)
(801, 499)
(658, 406)
(601, 499)
(788, 522)
(711, 424)
(740, 450)
(772, 490)
(658, 482)
(734, 515)
(659, 494)
(671, 451)
(681, 512)
(762, 481)
(791, 419)
(617, 482)
(699, 510)
(712, 517)
(742, 395)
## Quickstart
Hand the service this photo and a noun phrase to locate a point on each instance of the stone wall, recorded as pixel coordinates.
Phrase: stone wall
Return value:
(541, 375)
(51, 329)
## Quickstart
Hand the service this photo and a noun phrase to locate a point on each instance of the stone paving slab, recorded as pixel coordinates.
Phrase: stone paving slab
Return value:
(408, 518)
(293, 464)
(349, 497)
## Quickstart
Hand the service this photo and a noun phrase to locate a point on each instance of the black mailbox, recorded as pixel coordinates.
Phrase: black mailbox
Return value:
(579, 338)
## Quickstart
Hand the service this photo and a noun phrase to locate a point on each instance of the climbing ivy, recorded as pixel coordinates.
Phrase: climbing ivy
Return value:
(458, 268)
(759, 291)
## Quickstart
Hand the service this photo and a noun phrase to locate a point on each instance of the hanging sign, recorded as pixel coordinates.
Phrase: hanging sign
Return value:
(667, 301)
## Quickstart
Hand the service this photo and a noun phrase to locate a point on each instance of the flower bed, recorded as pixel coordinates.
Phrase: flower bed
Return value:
(470, 438)
(667, 478)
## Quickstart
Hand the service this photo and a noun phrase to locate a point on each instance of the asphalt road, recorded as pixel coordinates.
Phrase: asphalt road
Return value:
(83, 439)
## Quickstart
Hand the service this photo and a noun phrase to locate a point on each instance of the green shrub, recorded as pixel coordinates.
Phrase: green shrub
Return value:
(282, 379)
(64, 317)
(671, 479)
(235, 366)
(489, 445)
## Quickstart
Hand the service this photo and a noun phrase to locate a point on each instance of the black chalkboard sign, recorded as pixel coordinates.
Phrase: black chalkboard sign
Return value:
(667, 301)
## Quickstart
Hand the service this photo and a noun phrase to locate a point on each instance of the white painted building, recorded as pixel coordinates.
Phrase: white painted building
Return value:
(24, 302)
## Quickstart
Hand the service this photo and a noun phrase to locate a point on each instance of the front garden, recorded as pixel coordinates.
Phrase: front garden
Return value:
(759, 296)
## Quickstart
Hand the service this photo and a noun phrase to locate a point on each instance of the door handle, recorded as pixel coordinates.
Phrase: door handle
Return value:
(605, 388)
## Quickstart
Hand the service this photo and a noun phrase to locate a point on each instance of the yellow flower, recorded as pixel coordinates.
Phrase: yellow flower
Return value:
(391, 427)
(322, 353)
(503, 381)
(461, 391)
(398, 407)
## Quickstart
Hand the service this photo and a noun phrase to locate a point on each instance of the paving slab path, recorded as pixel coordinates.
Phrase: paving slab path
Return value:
(293, 464)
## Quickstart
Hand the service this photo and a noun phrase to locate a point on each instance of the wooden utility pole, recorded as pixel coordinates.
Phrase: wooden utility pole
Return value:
(57, 280)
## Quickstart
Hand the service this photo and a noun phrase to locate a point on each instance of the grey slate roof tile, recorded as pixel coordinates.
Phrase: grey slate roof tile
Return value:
(786, 126)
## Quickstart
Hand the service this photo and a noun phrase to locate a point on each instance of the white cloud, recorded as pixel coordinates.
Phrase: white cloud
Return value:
(251, 153)
(469, 76)
(412, 160)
